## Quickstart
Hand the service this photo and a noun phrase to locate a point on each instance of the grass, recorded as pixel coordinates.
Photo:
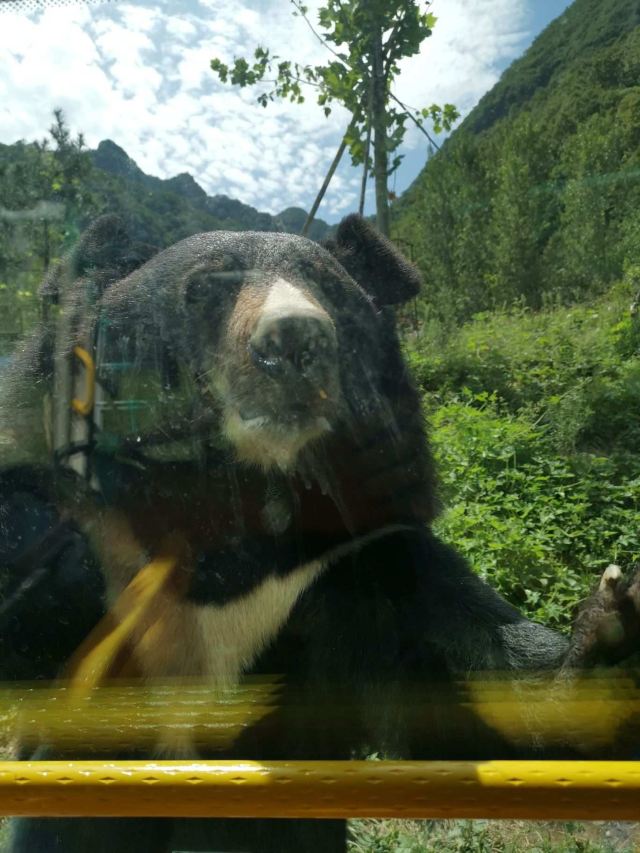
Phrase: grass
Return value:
(492, 836)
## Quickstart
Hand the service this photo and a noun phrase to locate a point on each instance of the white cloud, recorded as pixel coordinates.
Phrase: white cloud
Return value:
(462, 60)
(139, 74)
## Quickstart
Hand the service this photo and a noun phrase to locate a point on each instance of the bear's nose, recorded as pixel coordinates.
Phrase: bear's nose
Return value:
(305, 345)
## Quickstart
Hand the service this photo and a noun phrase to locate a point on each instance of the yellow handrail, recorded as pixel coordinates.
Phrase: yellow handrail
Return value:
(550, 790)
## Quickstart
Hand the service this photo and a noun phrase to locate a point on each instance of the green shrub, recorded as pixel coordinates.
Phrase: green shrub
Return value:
(528, 359)
(538, 526)
(535, 422)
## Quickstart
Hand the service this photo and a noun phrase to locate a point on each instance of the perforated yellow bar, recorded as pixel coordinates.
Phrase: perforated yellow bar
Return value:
(591, 715)
(591, 790)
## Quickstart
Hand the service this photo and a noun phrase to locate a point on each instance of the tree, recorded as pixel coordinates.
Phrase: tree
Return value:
(367, 40)
(45, 202)
(70, 171)
(598, 186)
(522, 210)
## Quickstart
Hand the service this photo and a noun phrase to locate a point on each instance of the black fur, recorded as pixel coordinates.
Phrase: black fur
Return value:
(52, 587)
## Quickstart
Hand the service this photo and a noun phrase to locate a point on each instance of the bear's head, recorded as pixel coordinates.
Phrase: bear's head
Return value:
(284, 342)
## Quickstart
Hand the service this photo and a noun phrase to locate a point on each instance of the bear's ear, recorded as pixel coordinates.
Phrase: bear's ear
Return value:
(374, 262)
(104, 245)
(104, 250)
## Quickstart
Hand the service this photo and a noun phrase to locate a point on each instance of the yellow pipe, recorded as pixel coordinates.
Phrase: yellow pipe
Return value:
(550, 790)
(84, 407)
(590, 714)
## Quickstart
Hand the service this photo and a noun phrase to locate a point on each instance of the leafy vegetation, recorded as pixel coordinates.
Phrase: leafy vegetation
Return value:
(536, 426)
(526, 342)
(44, 193)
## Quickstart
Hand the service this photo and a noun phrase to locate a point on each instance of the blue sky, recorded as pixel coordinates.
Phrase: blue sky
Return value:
(138, 73)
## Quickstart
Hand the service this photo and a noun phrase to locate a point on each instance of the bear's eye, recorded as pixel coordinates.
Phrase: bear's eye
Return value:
(212, 285)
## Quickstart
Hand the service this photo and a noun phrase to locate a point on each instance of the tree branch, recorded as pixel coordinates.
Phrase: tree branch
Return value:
(297, 79)
(316, 33)
(365, 168)
(408, 112)
(327, 180)
(388, 44)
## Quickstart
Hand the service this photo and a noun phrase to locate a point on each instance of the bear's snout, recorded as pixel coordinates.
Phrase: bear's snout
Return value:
(296, 347)
(292, 347)
(279, 381)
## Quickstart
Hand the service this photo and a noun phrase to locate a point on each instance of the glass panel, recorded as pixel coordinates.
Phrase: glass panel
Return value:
(284, 482)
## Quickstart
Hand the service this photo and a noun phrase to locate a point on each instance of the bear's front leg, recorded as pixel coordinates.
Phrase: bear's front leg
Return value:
(607, 628)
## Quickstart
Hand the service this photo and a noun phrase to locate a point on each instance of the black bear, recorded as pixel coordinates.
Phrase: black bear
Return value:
(251, 401)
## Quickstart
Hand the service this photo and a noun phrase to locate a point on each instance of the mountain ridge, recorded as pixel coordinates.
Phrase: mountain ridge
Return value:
(582, 27)
(227, 212)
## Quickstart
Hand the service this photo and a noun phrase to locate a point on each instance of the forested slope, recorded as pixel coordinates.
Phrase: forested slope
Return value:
(162, 211)
(537, 193)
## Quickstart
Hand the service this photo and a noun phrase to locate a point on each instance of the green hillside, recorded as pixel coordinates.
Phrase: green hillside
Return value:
(536, 196)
